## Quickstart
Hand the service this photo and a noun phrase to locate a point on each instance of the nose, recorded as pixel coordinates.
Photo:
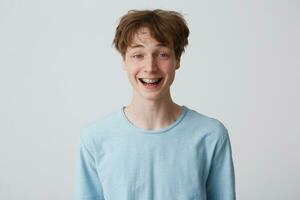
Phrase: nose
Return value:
(150, 64)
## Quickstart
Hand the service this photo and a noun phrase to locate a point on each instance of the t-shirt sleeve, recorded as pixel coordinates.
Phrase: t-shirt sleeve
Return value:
(220, 183)
(87, 182)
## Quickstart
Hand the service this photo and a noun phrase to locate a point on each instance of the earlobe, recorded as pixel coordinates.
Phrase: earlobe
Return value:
(123, 64)
(177, 65)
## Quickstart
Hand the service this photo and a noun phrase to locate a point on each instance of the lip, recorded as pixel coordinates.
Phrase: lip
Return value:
(151, 78)
(152, 86)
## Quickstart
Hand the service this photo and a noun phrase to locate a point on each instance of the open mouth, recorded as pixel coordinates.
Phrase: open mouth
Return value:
(146, 81)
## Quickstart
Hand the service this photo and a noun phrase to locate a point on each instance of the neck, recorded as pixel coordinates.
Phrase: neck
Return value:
(152, 115)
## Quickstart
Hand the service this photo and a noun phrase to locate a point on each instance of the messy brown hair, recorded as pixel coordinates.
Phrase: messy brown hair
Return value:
(167, 27)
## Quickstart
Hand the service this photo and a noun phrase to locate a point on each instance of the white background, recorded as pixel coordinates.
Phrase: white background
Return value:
(59, 72)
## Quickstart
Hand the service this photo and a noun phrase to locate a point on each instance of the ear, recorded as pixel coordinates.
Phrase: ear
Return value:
(177, 64)
(123, 63)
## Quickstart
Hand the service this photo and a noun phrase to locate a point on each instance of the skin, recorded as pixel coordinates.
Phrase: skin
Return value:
(150, 109)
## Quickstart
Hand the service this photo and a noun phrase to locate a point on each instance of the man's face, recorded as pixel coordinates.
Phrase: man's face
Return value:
(147, 60)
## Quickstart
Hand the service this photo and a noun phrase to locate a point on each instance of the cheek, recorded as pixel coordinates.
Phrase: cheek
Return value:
(169, 70)
(132, 72)
(169, 65)
(129, 67)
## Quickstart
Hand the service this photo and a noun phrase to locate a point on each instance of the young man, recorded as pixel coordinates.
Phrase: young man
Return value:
(153, 148)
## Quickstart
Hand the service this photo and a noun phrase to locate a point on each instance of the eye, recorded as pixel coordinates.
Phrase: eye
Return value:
(163, 55)
(137, 56)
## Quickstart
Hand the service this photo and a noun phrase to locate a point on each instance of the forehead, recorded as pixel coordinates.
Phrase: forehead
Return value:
(142, 34)
(144, 37)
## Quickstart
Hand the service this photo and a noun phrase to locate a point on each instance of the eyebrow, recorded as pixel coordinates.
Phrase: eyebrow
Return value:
(139, 45)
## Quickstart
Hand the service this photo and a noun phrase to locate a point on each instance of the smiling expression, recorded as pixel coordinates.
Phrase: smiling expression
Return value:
(147, 60)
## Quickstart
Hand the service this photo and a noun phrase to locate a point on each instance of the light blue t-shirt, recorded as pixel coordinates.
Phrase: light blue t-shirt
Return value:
(189, 160)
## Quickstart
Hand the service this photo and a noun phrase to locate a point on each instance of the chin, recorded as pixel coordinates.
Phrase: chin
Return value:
(152, 96)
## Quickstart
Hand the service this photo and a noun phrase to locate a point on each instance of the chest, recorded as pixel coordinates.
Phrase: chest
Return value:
(159, 166)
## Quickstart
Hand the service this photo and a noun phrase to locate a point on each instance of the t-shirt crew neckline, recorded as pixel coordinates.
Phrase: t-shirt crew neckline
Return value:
(141, 130)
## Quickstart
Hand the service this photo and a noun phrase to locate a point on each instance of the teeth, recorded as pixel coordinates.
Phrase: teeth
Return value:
(150, 80)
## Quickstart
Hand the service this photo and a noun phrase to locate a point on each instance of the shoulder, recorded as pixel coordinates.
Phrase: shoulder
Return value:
(206, 124)
(99, 128)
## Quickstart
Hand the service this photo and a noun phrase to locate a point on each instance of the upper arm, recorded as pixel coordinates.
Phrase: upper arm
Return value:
(87, 182)
(220, 183)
